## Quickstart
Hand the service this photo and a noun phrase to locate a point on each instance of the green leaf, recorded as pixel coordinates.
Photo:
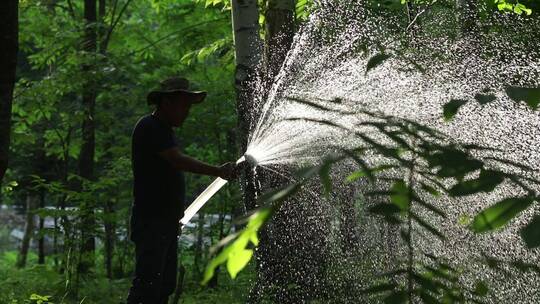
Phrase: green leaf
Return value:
(324, 173)
(235, 254)
(531, 233)
(481, 289)
(451, 108)
(355, 176)
(238, 260)
(376, 61)
(401, 195)
(500, 213)
(486, 182)
(531, 96)
(366, 171)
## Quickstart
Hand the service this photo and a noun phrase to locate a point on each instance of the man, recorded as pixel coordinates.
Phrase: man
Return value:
(159, 190)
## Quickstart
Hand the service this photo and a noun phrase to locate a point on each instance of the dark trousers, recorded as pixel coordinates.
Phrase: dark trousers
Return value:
(156, 264)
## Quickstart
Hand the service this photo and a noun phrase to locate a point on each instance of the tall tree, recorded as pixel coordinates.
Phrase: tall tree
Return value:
(245, 22)
(9, 39)
(86, 157)
(31, 205)
(248, 47)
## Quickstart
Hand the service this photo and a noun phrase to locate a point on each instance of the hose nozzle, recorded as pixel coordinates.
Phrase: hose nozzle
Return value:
(250, 159)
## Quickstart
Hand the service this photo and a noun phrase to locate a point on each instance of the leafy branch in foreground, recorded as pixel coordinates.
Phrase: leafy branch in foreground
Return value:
(415, 168)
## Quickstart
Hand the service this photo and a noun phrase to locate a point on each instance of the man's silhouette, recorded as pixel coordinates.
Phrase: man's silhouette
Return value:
(159, 190)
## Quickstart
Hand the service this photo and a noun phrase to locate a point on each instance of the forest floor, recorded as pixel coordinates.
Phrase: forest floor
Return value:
(18, 285)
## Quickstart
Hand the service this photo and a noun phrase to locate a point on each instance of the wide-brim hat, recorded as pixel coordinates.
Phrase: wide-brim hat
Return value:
(175, 85)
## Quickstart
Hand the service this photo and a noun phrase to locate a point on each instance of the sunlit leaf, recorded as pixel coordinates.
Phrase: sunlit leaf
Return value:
(235, 253)
(355, 176)
(500, 213)
(237, 260)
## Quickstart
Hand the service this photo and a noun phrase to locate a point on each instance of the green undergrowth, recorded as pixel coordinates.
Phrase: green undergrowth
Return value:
(37, 283)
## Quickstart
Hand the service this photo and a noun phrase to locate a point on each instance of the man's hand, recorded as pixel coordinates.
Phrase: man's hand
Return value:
(228, 171)
(179, 161)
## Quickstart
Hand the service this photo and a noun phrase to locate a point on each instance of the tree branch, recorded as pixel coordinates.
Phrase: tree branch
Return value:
(114, 23)
(172, 34)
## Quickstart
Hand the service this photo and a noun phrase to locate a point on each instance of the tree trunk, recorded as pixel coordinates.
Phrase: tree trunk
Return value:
(280, 29)
(9, 39)
(245, 21)
(199, 247)
(179, 283)
(41, 240)
(213, 283)
(31, 203)
(86, 157)
(248, 49)
(109, 237)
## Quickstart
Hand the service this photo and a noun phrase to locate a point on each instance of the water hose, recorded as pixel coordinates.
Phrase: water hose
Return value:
(203, 198)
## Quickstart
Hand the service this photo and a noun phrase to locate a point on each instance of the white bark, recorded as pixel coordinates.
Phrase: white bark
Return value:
(245, 21)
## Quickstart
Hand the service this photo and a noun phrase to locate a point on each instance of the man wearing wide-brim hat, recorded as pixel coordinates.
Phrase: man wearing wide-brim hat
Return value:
(159, 189)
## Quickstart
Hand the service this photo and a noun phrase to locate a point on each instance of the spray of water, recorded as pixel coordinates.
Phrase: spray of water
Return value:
(316, 103)
(325, 79)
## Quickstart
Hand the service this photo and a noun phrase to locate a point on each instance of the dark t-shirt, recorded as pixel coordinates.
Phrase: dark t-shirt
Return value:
(158, 189)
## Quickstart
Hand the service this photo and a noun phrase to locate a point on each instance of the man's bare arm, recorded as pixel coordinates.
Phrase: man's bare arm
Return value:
(185, 163)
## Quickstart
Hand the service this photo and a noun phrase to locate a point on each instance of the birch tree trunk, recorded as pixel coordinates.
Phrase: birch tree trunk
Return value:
(9, 31)
(245, 21)
(86, 157)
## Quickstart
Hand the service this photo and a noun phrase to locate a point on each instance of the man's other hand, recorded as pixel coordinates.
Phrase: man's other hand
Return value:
(228, 171)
